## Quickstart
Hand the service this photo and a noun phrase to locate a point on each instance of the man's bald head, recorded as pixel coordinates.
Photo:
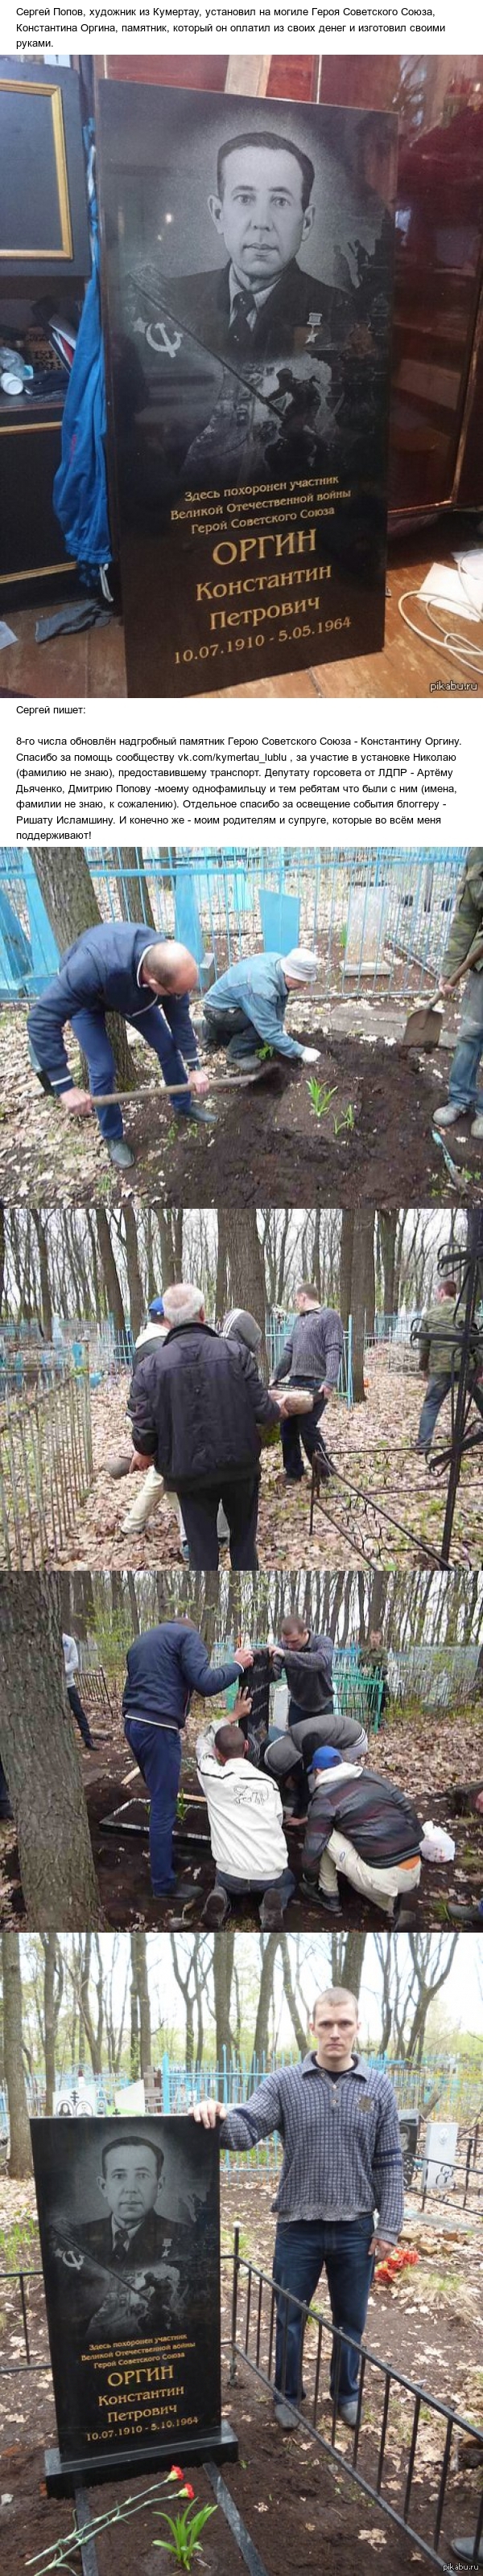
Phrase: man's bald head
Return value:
(168, 967)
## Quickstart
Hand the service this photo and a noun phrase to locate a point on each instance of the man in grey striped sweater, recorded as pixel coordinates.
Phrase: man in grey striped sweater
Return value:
(342, 2161)
(311, 1357)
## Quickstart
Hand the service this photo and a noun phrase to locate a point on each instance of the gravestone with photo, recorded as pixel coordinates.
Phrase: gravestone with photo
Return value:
(129, 2221)
(247, 282)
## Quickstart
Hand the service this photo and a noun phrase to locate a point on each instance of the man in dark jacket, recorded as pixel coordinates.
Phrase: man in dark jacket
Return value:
(440, 1338)
(311, 1357)
(164, 1667)
(115, 967)
(466, 930)
(198, 1407)
(364, 1827)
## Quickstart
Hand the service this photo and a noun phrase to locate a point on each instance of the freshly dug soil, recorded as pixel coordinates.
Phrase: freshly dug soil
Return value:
(122, 1861)
(387, 1155)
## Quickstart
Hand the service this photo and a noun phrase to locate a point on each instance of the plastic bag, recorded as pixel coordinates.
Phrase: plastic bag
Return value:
(436, 1844)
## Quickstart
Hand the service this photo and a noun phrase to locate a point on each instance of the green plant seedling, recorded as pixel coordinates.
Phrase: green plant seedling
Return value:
(347, 1121)
(320, 1100)
(185, 2531)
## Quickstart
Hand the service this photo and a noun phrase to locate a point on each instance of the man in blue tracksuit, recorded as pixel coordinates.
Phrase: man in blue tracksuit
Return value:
(245, 1009)
(164, 1667)
(117, 967)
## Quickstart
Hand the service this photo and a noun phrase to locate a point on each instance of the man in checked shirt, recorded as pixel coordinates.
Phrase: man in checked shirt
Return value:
(342, 2162)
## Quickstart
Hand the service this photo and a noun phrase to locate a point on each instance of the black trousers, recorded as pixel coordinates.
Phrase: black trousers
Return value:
(300, 1428)
(79, 1713)
(239, 1497)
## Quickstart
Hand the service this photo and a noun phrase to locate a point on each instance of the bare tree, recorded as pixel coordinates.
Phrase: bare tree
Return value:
(41, 1760)
(20, 2156)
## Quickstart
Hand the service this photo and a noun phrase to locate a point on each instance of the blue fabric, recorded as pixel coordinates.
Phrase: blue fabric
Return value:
(325, 1758)
(256, 985)
(80, 486)
(159, 1756)
(301, 2250)
(166, 1665)
(99, 974)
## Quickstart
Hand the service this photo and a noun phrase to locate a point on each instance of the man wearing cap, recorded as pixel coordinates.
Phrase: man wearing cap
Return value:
(311, 1357)
(245, 1010)
(363, 1827)
(115, 967)
(342, 2162)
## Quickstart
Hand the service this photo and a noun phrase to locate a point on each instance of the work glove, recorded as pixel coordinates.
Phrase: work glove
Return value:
(310, 1055)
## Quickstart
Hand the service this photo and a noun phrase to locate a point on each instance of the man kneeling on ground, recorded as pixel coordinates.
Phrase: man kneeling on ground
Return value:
(245, 1818)
(365, 1828)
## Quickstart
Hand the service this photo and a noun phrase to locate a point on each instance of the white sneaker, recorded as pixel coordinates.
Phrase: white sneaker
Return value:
(477, 1125)
(448, 1117)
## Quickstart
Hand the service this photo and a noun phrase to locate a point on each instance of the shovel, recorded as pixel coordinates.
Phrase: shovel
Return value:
(423, 1028)
(169, 1090)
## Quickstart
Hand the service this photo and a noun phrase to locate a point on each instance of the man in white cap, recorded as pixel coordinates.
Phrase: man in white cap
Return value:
(245, 1010)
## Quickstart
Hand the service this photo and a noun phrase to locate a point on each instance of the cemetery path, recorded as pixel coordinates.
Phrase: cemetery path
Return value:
(383, 1103)
(373, 1448)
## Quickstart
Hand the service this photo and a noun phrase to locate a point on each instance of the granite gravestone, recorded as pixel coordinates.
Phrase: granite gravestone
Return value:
(247, 280)
(130, 2240)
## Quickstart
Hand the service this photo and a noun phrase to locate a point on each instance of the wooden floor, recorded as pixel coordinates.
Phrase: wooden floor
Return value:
(92, 665)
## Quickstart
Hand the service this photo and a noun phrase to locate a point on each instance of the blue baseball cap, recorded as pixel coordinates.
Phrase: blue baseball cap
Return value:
(325, 1759)
(156, 1307)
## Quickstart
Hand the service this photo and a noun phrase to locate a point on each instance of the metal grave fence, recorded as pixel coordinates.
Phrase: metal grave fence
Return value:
(46, 1470)
(387, 2456)
(379, 917)
(407, 2451)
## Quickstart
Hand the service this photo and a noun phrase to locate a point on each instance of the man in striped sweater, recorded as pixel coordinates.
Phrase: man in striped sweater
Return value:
(342, 2161)
(311, 1358)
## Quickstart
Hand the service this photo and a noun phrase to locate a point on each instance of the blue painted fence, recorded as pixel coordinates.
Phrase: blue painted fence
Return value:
(379, 918)
(457, 2085)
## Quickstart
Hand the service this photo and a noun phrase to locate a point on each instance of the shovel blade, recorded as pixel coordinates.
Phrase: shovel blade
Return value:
(423, 1028)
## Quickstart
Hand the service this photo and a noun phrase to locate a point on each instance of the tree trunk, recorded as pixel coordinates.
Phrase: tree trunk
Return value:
(20, 2156)
(362, 1296)
(41, 1760)
(66, 886)
(111, 1281)
(51, 1965)
(223, 1951)
(46, 1300)
(346, 1259)
(134, 896)
(238, 1236)
(388, 1223)
(137, 1300)
(269, 1948)
(139, 1955)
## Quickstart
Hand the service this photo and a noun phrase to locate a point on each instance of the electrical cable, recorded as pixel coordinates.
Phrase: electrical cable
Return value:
(460, 647)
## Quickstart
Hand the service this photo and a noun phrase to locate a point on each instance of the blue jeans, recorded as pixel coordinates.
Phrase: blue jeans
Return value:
(284, 1885)
(302, 2246)
(436, 1390)
(89, 1028)
(301, 1431)
(462, 1088)
(158, 1752)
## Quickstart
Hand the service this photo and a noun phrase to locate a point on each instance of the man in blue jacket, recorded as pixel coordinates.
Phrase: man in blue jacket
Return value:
(164, 1667)
(117, 967)
(245, 1009)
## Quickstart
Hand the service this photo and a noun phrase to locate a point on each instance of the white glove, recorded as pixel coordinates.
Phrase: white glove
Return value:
(310, 1055)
